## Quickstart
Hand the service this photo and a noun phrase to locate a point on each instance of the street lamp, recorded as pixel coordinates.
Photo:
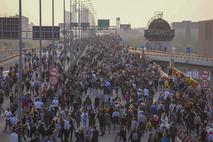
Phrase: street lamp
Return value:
(79, 18)
(53, 23)
(70, 22)
(40, 42)
(20, 91)
(64, 34)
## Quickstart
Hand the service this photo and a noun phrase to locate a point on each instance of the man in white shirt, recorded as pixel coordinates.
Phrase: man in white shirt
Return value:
(8, 115)
(13, 137)
(145, 92)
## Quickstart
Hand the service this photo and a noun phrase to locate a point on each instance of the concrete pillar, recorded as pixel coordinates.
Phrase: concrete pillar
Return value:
(211, 79)
(171, 63)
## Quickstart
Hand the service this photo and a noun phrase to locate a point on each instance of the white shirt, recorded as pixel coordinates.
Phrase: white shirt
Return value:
(13, 120)
(139, 92)
(8, 115)
(66, 125)
(166, 94)
(115, 114)
(38, 104)
(171, 107)
(146, 92)
(55, 103)
(13, 137)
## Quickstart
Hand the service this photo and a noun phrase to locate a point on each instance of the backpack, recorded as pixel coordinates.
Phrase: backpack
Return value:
(164, 139)
(134, 136)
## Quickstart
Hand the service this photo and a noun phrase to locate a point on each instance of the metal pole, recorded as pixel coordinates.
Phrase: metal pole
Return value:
(79, 20)
(75, 14)
(70, 22)
(53, 22)
(20, 91)
(64, 34)
(40, 43)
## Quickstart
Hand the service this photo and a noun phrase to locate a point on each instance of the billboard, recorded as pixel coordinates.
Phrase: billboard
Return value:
(46, 33)
(103, 24)
(9, 27)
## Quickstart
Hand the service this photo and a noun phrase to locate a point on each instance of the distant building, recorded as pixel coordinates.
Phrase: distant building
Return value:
(26, 27)
(185, 28)
(125, 26)
(68, 15)
(85, 15)
(25, 23)
(205, 38)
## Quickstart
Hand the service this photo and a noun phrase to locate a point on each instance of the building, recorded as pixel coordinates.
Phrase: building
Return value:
(84, 15)
(68, 15)
(186, 36)
(159, 35)
(125, 27)
(205, 38)
(25, 23)
(185, 28)
(26, 27)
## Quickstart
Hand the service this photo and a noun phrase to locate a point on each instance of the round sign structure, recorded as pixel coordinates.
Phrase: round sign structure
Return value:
(204, 74)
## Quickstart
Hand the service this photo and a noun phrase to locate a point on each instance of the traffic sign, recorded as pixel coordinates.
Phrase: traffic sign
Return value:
(46, 33)
(9, 27)
(204, 74)
(103, 24)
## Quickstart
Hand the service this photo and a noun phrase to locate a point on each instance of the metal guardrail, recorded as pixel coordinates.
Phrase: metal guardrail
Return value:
(8, 58)
(14, 54)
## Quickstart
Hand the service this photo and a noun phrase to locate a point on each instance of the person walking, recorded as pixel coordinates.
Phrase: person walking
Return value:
(95, 135)
(173, 131)
(13, 136)
(134, 136)
(8, 115)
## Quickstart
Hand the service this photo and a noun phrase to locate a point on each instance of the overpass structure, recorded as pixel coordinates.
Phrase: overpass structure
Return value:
(179, 58)
(184, 62)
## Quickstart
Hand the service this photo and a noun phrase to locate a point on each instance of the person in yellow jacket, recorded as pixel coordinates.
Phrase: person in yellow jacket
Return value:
(166, 84)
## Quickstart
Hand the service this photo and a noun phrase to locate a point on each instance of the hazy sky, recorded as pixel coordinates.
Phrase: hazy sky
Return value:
(135, 12)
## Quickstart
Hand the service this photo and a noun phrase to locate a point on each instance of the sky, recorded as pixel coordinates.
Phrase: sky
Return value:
(134, 12)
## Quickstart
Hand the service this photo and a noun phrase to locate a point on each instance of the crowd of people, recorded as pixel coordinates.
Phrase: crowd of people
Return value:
(109, 90)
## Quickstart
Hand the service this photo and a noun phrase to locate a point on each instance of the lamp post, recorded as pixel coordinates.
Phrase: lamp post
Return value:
(53, 23)
(75, 16)
(20, 91)
(40, 42)
(79, 18)
(70, 22)
(64, 34)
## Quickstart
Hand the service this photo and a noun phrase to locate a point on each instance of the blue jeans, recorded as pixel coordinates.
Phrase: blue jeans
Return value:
(7, 124)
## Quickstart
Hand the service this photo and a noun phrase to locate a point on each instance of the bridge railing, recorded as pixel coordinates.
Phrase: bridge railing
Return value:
(182, 56)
